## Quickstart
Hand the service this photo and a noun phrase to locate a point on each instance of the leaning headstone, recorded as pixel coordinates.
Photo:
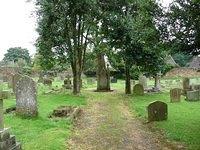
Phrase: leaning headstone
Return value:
(138, 89)
(7, 141)
(175, 95)
(157, 111)
(143, 81)
(193, 95)
(113, 80)
(186, 85)
(26, 97)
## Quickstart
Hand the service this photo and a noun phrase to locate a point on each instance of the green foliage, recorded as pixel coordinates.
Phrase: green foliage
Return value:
(42, 132)
(17, 54)
(184, 25)
(63, 26)
(182, 58)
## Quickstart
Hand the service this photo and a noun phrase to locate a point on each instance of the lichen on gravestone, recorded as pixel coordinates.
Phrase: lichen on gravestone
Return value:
(26, 97)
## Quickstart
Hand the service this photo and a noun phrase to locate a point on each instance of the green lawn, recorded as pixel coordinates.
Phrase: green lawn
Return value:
(42, 133)
(183, 122)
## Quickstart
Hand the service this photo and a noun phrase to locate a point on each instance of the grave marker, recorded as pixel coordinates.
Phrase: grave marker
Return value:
(7, 141)
(157, 111)
(138, 89)
(26, 97)
(175, 95)
(193, 95)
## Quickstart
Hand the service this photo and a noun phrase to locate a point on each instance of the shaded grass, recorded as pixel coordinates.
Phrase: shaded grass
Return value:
(42, 133)
(183, 122)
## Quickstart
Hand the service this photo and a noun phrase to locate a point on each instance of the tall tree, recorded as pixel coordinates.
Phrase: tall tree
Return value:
(17, 53)
(184, 25)
(64, 28)
(133, 31)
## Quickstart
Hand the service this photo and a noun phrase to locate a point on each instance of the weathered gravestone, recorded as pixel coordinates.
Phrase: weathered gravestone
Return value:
(186, 85)
(67, 83)
(138, 89)
(193, 95)
(157, 111)
(143, 81)
(26, 97)
(113, 80)
(175, 95)
(7, 141)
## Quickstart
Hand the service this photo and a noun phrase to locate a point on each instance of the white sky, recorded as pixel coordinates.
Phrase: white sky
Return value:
(17, 25)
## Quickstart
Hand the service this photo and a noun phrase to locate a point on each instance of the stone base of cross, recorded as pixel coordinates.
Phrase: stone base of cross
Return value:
(7, 141)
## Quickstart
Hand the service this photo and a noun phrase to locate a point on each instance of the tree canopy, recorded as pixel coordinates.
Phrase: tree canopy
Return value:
(16, 54)
(184, 25)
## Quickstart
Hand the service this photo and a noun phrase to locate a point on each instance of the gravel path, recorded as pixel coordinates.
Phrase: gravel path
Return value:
(107, 124)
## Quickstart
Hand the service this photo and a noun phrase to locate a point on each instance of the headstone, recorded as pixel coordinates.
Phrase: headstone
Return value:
(193, 95)
(138, 89)
(67, 83)
(15, 79)
(7, 141)
(114, 80)
(157, 111)
(26, 97)
(143, 81)
(186, 85)
(175, 95)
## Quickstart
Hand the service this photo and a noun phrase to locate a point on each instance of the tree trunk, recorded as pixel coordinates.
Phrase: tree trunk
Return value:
(76, 77)
(128, 79)
(103, 75)
(157, 82)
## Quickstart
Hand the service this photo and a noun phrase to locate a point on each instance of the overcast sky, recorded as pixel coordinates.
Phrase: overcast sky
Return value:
(17, 26)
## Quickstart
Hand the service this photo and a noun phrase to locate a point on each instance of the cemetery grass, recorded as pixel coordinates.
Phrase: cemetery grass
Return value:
(43, 133)
(183, 124)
